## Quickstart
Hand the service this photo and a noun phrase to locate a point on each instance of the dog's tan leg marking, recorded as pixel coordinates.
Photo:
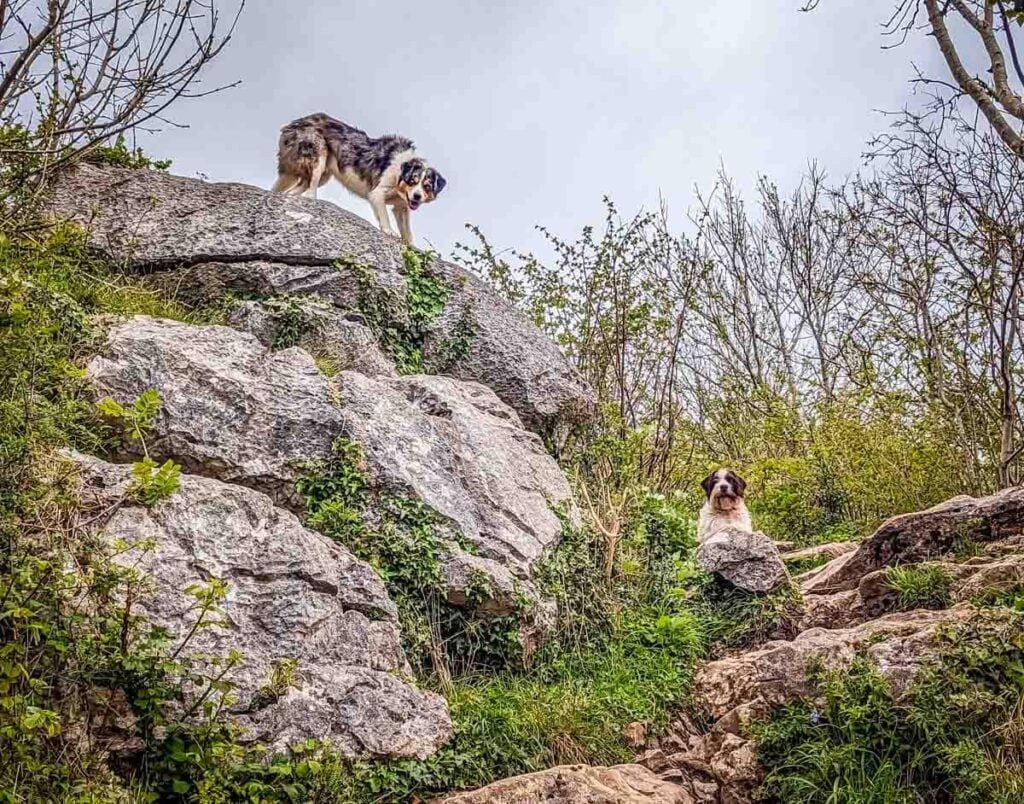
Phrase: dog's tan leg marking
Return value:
(380, 209)
(317, 174)
(286, 183)
(402, 219)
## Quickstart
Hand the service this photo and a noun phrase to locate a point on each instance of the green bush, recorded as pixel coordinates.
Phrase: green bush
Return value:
(119, 155)
(955, 735)
(402, 322)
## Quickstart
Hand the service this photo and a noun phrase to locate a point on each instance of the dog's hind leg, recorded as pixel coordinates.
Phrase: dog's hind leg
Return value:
(317, 174)
(286, 183)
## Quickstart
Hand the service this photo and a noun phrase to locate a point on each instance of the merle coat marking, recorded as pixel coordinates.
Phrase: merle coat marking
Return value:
(383, 170)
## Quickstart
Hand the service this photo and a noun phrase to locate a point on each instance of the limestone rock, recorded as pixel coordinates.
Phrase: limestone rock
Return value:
(238, 412)
(990, 579)
(916, 537)
(203, 283)
(232, 409)
(323, 331)
(830, 550)
(839, 610)
(750, 561)
(461, 450)
(980, 579)
(292, 595)
(149, 220)
(777, 673)
(579, 784)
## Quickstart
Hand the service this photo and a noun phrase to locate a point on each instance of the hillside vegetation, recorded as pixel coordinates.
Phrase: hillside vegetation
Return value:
(854, 350)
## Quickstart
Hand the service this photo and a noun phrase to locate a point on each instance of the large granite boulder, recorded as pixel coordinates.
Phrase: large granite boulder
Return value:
(916, 537)
(293, 595)
(153, 221)
(749, 561)
(236, 411)
(579, 784)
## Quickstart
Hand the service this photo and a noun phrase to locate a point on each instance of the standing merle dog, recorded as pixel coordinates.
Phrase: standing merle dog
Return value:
(383, 170)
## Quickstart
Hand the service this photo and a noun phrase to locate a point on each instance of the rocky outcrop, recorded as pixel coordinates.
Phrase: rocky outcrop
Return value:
(231, 408)
(461, 450)
(980, 579)
(912, 538)
(236, 411)
(778, 672)
(338, 341)
(242, 237)
(579, 784)
(849, 611)
(750, 561)
(292, 596)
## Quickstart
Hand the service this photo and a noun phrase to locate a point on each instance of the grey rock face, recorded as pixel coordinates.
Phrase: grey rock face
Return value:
(324, 332)
(235, 411)
(232, 409)
(461, 450)
(292, 595)
(152, 220)
(916, 537)
(205, 282)
(750, 561)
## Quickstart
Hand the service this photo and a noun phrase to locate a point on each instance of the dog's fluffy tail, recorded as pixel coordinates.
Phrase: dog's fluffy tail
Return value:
(301, 155)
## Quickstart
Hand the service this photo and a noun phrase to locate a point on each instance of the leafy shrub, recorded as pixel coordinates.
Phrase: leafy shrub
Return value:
(119, 155)
(292, 317)
(954, 736)
(925, 586)
(402, 539)
(152, 483)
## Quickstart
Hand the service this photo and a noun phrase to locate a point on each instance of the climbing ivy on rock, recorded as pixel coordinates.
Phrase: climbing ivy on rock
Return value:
(402, 322)
(405, 542)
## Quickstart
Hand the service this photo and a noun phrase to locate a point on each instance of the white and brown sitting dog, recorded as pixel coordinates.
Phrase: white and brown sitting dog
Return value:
(383, 170)
(725, 508)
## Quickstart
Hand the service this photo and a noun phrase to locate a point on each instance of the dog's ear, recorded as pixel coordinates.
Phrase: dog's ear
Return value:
(439, 183)
(738, 483)
(708, 483)
(411, 171)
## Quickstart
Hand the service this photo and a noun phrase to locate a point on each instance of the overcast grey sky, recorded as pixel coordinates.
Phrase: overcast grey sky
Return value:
(534, 109)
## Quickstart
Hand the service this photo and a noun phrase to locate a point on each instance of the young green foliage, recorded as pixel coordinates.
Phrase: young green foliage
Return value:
(925, 586)
(953, 736)
(402, 322)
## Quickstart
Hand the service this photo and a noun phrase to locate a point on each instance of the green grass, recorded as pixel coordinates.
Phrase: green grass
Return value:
(925, 586)
(957, 735)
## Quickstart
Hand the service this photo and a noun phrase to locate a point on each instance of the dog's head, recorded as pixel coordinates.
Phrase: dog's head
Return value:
(724, 489)
(419, 183)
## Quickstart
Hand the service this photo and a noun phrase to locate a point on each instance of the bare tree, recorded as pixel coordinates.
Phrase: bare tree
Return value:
(77, 73)
(944, 218)
(963, 30)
